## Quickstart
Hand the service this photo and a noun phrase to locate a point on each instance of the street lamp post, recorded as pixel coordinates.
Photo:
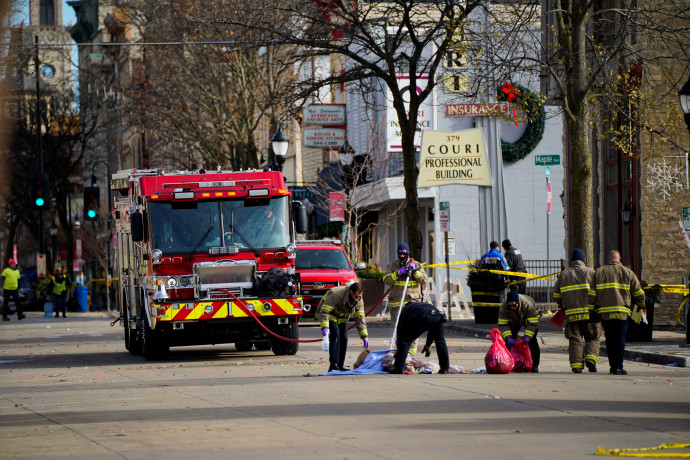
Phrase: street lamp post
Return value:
(684, 96)
(108, 222)
(347, 155)
(280, 143)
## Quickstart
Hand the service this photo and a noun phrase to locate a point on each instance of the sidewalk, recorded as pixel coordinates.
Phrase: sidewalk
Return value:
(664, 349)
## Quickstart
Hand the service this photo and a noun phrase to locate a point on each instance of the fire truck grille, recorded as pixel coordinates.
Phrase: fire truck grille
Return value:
(235, 276)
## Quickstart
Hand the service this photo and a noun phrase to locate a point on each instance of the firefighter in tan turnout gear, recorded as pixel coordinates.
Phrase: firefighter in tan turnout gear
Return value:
(615, 290)
(405, 268)
(583, 329)
(517, 311)
(335, 309)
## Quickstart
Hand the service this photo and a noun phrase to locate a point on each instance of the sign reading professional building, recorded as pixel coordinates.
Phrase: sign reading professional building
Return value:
(453, 158)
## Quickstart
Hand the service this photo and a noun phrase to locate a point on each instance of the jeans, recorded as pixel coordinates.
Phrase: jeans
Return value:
(337, 343)
(615, 330)
(11, 294)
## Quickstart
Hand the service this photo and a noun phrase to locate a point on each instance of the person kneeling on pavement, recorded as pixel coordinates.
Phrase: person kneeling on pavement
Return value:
(335, 309)
(415, 319)
(517, 311)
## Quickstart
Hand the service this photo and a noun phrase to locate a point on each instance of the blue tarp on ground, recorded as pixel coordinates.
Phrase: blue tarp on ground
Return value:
(372, 365)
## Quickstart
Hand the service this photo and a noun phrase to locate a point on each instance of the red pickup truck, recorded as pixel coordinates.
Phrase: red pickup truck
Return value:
(322, 265)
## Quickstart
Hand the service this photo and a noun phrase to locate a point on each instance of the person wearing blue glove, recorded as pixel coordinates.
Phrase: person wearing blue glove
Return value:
(404, 269)
(519, 311)
(415, 319)
(335, 309)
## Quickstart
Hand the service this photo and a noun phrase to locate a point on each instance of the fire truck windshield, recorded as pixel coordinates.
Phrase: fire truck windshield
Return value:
(178, 227)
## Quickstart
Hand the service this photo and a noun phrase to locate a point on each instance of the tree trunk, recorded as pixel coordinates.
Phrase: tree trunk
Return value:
(410, 173)
(582, 188)
(577, 91)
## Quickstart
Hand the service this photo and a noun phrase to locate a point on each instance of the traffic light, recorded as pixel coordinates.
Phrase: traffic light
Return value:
(92, 205)
(40, 191)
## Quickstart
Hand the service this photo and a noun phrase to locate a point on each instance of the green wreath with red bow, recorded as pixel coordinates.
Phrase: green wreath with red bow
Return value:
(531, 105)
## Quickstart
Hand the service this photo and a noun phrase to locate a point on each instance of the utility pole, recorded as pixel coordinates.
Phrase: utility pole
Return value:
(42, 243)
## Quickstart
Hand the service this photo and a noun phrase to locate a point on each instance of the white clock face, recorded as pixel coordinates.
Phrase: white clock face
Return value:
(48, 71)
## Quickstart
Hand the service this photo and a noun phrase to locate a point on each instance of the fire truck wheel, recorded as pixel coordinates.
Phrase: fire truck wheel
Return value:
(243, 346)
(283, 347)
(153, 347)
(262, 346)
(131, 339)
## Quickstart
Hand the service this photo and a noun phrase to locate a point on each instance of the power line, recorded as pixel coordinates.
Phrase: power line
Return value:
(139, 44)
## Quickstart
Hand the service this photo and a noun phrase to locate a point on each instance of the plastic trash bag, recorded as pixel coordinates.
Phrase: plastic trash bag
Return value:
(498, 359)
(522, 356)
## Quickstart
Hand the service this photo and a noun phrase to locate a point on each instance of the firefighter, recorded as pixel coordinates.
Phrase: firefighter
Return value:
(582, 328)
(415, 319)
(405, 268)
(335, 309)
(615, 290)
(517, 311)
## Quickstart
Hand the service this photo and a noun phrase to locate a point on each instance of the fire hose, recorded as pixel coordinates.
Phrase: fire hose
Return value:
(256, 318)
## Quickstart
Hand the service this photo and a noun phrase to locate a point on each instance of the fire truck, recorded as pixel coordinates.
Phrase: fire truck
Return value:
(202, 255)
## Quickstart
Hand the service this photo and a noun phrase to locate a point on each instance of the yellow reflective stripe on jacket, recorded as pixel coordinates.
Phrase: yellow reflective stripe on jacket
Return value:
(575, 287)
(506, 333)
(529, 334)
(503, 321)
(613, 286)
(533, 320)
(614, 309)
(638, 293)
(327, 308)
(556, 295)
(577, 311)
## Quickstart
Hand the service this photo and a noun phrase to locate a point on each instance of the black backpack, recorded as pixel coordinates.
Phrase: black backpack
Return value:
(273, 283)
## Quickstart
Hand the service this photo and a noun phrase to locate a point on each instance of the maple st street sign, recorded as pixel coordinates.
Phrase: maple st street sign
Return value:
(547, 160)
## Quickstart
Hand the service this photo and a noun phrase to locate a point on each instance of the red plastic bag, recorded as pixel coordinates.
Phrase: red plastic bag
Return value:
(558, 318)
(498, 359)
(522, 356)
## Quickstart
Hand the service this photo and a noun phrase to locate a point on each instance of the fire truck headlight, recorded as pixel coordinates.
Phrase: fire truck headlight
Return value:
(156, 255)
(184, 281)
(291, 248)
(171, 282)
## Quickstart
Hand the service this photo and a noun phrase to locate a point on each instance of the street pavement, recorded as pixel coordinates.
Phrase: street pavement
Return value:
(68, 388)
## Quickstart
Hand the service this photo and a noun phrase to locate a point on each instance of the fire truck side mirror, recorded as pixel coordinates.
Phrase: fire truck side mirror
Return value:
(137, 226)
(301, 219)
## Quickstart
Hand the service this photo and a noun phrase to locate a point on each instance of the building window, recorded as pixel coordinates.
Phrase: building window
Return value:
(47, 13)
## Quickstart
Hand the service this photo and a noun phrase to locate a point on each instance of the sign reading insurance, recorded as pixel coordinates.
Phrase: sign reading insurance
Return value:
(453, 158)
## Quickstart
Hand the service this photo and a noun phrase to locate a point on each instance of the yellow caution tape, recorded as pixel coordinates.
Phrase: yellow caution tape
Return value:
(644, 452)
(453, 263)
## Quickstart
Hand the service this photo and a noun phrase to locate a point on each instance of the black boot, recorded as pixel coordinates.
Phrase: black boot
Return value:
(333, 367)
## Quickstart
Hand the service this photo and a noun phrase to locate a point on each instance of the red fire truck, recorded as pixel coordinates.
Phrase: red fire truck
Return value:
(199, 254)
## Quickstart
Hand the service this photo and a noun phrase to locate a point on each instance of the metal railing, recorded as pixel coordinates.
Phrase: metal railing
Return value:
(541, 289)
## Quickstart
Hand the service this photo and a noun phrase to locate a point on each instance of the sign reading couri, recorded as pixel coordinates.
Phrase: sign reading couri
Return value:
(453, 158)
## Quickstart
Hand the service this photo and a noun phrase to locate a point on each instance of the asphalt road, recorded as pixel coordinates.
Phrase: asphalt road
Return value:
(68, 388)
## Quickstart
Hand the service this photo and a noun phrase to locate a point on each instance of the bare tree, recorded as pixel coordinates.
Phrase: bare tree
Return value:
(202, 85)
(380, 41)
(594, 56)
